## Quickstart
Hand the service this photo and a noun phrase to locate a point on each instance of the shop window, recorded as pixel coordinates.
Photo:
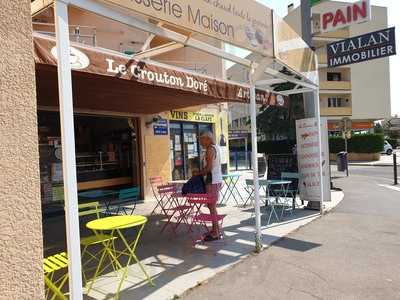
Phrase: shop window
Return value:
(106, 155)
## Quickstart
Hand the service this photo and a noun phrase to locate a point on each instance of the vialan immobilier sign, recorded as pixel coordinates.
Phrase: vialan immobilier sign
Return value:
(243, 23)
(361, 48)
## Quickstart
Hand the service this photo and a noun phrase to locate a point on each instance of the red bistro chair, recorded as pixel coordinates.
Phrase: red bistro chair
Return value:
(155, 182)
(174, 207)
(199, 202)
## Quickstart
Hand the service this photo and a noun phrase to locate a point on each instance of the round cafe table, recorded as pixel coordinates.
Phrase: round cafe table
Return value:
(231, 190)
(117, 225)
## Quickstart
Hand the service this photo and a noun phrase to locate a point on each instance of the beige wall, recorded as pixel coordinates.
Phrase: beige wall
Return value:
(371, 80)
(20, 210)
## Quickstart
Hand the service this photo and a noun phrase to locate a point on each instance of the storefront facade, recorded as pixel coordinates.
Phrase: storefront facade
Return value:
(120, 106)
(121, 142)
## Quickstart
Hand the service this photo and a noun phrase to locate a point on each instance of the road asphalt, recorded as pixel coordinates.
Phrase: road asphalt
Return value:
(351, 253)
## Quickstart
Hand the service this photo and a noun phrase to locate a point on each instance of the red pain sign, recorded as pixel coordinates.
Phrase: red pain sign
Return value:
(338, 18)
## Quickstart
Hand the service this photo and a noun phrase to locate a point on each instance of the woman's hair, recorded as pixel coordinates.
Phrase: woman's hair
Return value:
(207, 134)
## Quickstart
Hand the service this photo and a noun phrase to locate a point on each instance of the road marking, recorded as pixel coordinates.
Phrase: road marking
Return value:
(391, 187)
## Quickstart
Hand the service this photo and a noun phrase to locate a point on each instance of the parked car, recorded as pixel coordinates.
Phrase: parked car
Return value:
(387, 148)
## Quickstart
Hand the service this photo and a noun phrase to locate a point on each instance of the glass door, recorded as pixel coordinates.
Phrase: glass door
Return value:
(191, 149)
(186, 152)
(177, 161)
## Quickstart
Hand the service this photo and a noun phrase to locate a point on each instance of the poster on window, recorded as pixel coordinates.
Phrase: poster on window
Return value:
(310, 159)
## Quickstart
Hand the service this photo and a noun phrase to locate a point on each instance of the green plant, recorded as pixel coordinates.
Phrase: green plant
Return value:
(336, 144)
(362, 143)
(276, 122)
(366, 143)
(276, 147)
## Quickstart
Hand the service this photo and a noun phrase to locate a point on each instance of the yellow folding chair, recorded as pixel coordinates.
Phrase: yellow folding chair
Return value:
(88, 242)
(52, 265)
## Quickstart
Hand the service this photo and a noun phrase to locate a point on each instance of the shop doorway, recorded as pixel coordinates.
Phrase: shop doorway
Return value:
(186, 151)
(107, 156)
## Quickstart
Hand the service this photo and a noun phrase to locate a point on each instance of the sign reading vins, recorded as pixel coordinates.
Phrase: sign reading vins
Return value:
(189, 116)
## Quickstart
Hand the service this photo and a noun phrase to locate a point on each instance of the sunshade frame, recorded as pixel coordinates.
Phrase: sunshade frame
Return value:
(275, 70)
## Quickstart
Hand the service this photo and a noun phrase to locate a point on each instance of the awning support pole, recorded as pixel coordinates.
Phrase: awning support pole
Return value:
(68, 149)
(253, 115)
(318, 116)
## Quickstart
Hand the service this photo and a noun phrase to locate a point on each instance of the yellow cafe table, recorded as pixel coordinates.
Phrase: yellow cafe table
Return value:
(117, 225)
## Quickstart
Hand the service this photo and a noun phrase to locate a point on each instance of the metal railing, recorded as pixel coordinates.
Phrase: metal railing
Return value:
(78, 33)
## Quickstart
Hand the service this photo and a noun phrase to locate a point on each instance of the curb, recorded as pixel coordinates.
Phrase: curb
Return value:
(372, 165)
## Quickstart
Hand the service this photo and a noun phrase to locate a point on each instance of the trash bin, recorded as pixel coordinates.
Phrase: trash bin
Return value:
(341, 161)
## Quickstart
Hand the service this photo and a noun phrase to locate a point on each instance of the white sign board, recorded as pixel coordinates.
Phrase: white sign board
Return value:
(326, 172)
(309, 159)
(353, 13)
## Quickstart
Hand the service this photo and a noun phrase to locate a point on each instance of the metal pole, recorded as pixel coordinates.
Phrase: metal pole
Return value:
(311, 100)
(346, 147)
(68, 149)
(236, 160)
(306, 33)
(395, 169)
(245, 153)
(318, 117)
(253, 115)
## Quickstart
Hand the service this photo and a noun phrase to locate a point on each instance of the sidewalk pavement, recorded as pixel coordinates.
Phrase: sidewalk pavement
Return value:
(177, 266)
(351, 253)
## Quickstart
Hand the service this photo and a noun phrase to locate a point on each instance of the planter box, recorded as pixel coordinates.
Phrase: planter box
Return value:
(359, 156)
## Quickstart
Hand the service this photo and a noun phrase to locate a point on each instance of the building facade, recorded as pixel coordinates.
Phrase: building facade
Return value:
(21, 247)
(116, 147)
(361, 91)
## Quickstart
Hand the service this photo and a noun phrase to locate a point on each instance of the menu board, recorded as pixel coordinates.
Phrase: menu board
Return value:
(309, 156)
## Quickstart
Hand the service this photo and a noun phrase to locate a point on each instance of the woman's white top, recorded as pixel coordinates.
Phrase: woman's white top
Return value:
(216, 171)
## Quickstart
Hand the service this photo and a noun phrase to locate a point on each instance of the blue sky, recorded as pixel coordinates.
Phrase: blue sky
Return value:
(280, 7)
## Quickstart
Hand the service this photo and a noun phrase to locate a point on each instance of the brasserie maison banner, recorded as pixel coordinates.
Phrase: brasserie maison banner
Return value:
(246, 24)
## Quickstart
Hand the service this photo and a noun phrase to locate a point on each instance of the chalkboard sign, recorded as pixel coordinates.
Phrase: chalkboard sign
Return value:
(279, 163)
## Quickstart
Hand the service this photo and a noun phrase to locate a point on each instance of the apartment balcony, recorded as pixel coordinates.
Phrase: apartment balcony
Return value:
(335, 86)
(338, 34)
(336, 111)
(322, 39)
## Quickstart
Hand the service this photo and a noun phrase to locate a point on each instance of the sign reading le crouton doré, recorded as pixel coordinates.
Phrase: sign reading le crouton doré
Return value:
(246, 24)
(361, 48)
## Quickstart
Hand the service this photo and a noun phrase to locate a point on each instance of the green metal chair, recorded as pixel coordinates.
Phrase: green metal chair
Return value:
(126, 202)
(293, 189)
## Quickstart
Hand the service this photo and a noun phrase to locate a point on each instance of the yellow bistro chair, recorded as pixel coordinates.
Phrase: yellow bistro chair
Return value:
(52, 265)
(88, 242)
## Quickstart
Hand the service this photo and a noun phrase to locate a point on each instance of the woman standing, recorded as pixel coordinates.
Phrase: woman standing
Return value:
(213, 178)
